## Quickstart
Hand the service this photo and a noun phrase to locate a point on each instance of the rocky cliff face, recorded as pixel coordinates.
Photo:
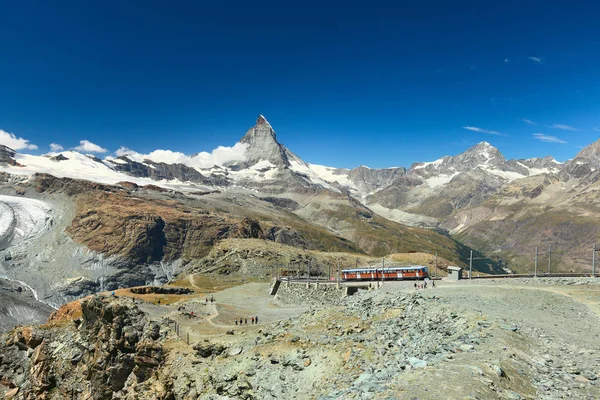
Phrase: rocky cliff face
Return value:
(7, 156)
(263, 146)
(368, 180)
(93, 349)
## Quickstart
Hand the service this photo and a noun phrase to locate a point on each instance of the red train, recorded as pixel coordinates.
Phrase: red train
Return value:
(389, 274)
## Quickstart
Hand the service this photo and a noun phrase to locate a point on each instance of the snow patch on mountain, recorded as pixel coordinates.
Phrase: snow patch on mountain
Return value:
(507, 175)
(263, 170)
(80, 166)
(439, 180)
(435, 164)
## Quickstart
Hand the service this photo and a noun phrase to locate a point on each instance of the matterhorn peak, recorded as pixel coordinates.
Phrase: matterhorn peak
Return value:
(261, 120)
(263, 146)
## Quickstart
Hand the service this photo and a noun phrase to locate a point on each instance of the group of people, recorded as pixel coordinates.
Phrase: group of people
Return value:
(253, 320)
(212, 300)
(423, 285)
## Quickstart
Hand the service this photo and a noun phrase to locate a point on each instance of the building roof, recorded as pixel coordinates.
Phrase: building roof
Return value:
(453, 268)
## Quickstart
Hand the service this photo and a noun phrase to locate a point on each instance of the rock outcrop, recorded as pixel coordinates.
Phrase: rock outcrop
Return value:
(112, 349)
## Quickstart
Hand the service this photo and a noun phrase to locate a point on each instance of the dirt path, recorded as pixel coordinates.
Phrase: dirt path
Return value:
(214, 319)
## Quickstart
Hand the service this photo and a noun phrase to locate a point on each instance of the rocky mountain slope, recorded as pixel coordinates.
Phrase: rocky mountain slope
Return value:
(559, 210)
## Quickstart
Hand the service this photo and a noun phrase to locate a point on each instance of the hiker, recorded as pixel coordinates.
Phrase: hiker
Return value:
(206, 301)
(241, 321)
(256, 319)
(212, 299)
(425, 285)
(246, 321)
(236, 321)
(252, 320)
(416, 285)
(433, 284)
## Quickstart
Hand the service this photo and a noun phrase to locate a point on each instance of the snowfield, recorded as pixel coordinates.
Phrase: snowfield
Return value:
(80, 166)
(22, 219)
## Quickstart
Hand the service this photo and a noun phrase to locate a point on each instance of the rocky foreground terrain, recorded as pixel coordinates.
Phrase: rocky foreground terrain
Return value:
(517, 339)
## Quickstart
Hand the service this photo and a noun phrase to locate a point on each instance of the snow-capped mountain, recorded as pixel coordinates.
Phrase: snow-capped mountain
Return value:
(260, 163)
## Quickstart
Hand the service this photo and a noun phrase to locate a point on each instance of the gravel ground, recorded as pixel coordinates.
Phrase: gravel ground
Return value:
(517, 339)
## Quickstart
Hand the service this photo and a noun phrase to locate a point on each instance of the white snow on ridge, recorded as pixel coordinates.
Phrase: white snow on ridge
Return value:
(261, 171)
(435, 163)
(79, 166)
(322, 175)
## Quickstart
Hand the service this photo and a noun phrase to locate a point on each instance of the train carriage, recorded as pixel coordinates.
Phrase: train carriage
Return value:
(389, 274)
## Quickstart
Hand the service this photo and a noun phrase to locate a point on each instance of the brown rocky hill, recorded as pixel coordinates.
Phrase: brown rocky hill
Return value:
(144, 226)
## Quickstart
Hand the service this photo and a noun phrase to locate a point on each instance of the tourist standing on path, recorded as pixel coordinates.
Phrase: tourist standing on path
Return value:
(256, 319)
(252, 320)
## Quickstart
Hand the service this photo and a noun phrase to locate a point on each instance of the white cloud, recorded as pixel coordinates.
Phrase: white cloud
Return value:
(218, 156)
(528, 121)
(10, 140)
(507, 60)
(563, 127)
(56, 147)
(596, 129)
(536, 59)
(480, 130)
(549, 139)
(85, 146)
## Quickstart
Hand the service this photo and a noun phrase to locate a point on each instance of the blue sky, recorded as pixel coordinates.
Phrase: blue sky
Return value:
(343, 83)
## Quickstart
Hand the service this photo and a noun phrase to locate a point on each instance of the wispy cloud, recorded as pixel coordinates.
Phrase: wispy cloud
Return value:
(547, 138)
(480, 130)
(535, 59)
(507, 60)
(88, 147)
(56, 147)
(528, 121)
(596, 129)
(10, 140)
(564, 127)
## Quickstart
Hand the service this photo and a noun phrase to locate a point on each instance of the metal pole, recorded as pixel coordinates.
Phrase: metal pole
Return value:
(338, 275)
(549, 257)
(594, 262)
(471, 266)
(535, 263)
(382, 268)
(436, 271)
(309, 263)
